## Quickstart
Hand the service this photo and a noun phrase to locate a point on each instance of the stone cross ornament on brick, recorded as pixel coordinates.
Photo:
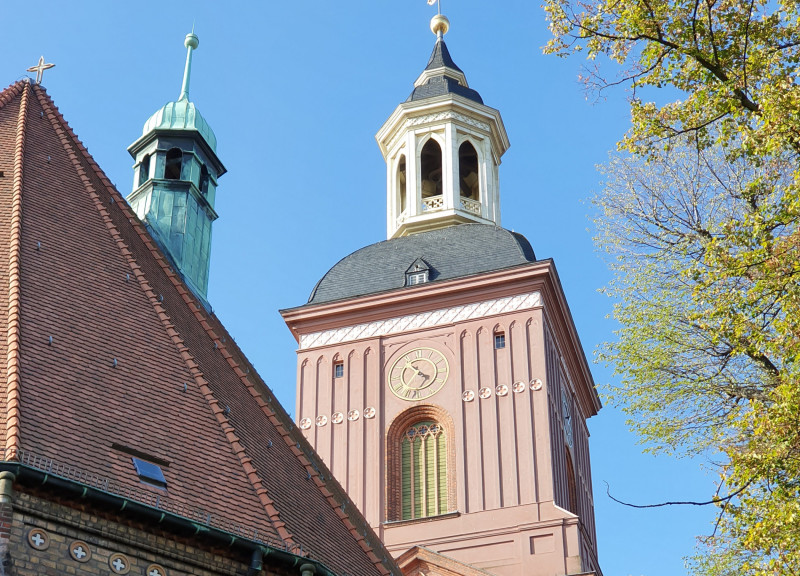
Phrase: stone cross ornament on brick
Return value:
(119, 564)
(80, 551)
(38, 539)
(156, 570)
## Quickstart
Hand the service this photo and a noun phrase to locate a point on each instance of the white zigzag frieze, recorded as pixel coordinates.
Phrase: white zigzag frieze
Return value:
(448, 115)
(421, 320)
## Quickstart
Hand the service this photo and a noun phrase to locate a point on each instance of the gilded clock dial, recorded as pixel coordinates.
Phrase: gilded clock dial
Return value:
(418, 374)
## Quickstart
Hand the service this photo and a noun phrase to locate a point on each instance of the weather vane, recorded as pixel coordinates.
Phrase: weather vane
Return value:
(40, 68)
(439, 23)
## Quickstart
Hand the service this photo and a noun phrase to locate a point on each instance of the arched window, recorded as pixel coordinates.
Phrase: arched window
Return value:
(172, 168)
(204, 180)
(431, 169)
(469, 181)
(423, 483)
(572, 493)
(144, 170)
(401, 182)
(420, 464)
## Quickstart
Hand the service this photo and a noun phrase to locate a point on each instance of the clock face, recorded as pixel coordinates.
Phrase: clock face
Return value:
(418, 374)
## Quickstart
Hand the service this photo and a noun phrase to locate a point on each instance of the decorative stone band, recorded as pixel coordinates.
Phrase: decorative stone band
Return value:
(447, 115)
(370, 412)
(421, 320)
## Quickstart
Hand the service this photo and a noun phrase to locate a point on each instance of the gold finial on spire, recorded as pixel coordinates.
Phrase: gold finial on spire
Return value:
(40, 68)
(439, 23)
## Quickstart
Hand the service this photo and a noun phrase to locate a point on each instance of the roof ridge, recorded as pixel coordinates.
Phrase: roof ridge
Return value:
(292, 441)
(13, 90)
(328, 484)
(56, 118)
(280, 426)
(282, 423)
(12, 440)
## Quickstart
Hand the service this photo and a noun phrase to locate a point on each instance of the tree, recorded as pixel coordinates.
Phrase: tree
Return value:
(707, 345)
(700, 216)
(734, 62)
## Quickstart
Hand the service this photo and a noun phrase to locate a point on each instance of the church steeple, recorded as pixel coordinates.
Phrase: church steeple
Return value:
(442, 148)
(175, 179)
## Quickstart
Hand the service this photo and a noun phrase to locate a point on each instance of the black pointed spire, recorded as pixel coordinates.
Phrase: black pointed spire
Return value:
(442, 76)
(440, 57)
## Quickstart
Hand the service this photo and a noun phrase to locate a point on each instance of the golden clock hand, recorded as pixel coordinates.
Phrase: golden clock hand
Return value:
(412, 367)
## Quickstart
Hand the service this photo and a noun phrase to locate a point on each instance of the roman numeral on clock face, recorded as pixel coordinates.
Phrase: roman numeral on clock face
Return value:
(418, 374)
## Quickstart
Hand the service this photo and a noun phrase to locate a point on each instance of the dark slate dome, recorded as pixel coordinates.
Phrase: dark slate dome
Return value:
(453, 252)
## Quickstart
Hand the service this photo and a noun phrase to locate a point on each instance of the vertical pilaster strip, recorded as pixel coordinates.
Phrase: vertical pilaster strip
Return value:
(12, 443)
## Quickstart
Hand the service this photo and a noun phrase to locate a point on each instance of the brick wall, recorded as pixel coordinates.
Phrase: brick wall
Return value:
(44, 537)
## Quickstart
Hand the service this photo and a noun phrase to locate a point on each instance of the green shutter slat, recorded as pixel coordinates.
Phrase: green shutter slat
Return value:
(442, 459)
(419, 467)
(423, 473)
(430, 471)
(405, 487)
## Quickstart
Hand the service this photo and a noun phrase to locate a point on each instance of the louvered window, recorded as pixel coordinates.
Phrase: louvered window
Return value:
(424, 471)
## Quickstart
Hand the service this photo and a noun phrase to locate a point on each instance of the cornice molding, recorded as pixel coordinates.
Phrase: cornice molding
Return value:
(421, 320)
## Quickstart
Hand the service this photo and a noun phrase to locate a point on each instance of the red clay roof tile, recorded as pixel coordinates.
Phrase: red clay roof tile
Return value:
(136, 362)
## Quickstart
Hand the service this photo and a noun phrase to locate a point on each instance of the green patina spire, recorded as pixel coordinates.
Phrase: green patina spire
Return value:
(175, 181)
(191, 42)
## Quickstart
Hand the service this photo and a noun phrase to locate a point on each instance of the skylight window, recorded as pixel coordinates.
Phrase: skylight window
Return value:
(149, 473)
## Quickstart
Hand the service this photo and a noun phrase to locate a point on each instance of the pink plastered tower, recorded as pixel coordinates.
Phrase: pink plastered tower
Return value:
(440, 374)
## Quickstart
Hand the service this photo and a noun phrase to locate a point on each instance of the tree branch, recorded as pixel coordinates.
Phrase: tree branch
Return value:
(715, 500)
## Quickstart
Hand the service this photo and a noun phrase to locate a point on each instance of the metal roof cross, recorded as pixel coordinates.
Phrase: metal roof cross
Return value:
(40, 68)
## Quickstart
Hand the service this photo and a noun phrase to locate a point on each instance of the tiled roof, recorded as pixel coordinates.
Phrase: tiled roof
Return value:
(452, 252)
(108, 354)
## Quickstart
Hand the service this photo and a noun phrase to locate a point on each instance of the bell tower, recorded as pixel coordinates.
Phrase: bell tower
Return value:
(439, 372)
(442, 148)
(175, 181)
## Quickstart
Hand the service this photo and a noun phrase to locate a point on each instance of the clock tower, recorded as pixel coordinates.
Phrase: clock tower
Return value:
(440, 374)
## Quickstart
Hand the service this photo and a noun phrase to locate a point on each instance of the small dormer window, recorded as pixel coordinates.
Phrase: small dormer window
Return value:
(414, 278)
(417, 273)
(172, 168)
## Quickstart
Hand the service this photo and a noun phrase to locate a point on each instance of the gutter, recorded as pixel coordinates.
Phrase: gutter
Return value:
(258, 552)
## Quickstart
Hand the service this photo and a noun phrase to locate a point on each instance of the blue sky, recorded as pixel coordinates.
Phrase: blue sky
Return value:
(295, 93)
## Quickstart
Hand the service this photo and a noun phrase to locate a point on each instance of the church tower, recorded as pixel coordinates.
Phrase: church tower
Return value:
(440, 374)
(175, 180)
(442, 148)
